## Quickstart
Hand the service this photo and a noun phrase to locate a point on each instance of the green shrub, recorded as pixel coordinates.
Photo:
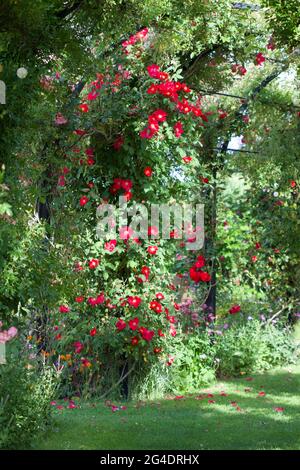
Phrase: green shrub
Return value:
(194, 363)
(25, 409)
(253, 347)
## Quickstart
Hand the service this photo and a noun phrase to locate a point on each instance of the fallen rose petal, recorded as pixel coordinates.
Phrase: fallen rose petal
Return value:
(279, 409)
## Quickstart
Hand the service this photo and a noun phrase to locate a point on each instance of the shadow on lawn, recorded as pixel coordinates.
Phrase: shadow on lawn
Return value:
(191, 424)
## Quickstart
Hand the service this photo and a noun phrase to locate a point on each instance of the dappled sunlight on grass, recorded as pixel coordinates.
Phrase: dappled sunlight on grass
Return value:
(231, 414)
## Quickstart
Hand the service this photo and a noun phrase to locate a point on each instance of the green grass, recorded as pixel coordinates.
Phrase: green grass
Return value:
(190, 423)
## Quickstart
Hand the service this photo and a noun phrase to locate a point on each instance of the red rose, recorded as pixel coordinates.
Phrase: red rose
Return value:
(153, 71)
(148, 171)
(134, 301)
(84, 108)
(135, 341)
(159, 115)
(152, 250)
(133, 324)
(93, 263)
(64, 309)
(110, 246)
(78, 347)
(159, 296)
(147, 335)
(178, 129)
(120, 324)
(234, 309)
(93, 332)
(83, 201)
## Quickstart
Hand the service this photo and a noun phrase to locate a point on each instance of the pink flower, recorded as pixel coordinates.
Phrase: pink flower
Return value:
(71, 405)
(78, 347)
(60, 119)
(125, 233)
(110, 246)
(12, 332)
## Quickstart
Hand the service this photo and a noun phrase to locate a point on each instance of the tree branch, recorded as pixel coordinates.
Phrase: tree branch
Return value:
(69, 9)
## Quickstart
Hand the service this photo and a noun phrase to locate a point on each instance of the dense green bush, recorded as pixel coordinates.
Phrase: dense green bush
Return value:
(198, 358)
(253, 347)
(25, 396)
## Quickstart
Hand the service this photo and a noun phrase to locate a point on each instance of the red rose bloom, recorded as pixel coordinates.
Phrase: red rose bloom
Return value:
(84, 108)
(133, 324)
(159, 296)
(148, 171)
(125, 233)
(159, 115)
(83, 201)
(147, 335)
(120, 324)
(154, 71)
(93, 332)
(110, 246)
(178, 129)
(64, 309)
(259, 59)
(93, 263)
(78, 347)
(134, 301)
(152, 250)
(234, 309)
(135, 341)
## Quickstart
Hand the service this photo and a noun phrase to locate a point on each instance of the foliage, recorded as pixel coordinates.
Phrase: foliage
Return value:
(25, 408)
(253, 347)
(82, 128)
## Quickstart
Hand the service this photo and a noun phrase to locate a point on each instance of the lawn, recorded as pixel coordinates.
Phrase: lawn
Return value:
(256, 412)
